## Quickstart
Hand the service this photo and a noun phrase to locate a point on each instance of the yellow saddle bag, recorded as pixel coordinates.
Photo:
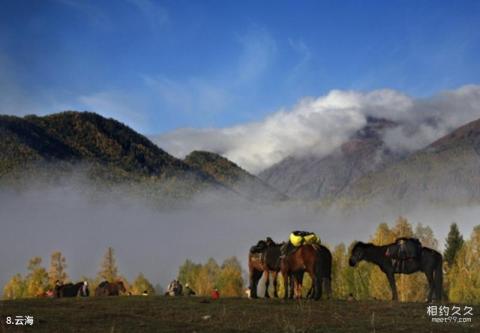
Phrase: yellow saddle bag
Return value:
(298, 238)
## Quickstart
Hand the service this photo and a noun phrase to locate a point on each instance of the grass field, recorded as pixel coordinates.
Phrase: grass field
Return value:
(164, 314)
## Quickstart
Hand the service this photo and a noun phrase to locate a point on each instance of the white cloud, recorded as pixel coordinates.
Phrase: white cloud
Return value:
(258, 52)
(319, 125)
(426, 120)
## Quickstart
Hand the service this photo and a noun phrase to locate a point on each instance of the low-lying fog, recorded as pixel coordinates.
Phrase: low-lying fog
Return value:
(42, 220)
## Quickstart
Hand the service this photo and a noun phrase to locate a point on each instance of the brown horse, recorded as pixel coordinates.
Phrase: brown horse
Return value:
(316, 260)
(110, 288)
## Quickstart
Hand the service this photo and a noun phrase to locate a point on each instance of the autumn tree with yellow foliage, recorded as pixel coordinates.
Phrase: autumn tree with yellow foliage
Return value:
(57, 270)
(37, 279)
(464, 284)
(227, 278)
(410, 287)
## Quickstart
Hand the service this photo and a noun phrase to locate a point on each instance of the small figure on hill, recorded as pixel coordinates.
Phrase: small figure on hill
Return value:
(174, 288)
(187, 291)
(84, 292)
(145, 293)
(215, 294)
(171, 289)
(350, 297)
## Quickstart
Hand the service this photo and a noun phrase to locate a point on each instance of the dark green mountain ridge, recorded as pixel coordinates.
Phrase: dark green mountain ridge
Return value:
(110, 153)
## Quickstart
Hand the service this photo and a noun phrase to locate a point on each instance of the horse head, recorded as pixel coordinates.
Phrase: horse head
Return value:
(358, 253)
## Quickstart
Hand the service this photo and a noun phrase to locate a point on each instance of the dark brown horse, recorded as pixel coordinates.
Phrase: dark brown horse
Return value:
(429, 262)
(316, 260)
(110, 288)
(263, 259)
(71, 290)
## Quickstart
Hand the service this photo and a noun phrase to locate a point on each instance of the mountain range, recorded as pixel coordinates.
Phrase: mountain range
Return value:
(310, 177)
(445, 172)
(362, 170)
(110, 153)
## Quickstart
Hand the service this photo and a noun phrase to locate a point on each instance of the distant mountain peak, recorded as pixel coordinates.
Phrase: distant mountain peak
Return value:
(445, 172)
(312, 177)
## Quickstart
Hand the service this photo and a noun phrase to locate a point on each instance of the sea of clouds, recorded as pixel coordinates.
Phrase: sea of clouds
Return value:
(321, 124)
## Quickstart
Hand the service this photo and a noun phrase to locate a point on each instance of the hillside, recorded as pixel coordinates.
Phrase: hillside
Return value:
(200, 314)
(445, 172)
(230, 174)
(311, 177)
(108, 151)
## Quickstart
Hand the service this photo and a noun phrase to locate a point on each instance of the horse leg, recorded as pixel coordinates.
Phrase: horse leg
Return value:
(274, 277)
(298, 289)
(266, 276)
(285, 285)
(328, 287)
(393, 286)
(318, 287)
(310, 292)
(438, 278)
(429, 275)
(254, 277)
(291, 284)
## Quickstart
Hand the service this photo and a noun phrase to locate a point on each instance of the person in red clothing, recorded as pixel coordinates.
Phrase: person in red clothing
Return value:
(215, 294)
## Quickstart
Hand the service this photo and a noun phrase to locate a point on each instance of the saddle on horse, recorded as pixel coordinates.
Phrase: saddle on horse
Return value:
(257, 252)
(297, 239)
(267, 252)
(402, 250)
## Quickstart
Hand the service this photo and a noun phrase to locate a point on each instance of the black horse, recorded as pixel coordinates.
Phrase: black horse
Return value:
(264, 259)
(72, 290)
(429, 261)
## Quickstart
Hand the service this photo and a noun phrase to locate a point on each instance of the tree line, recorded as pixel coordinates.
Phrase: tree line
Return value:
(38, 279)
(366, 281)
(461, 267)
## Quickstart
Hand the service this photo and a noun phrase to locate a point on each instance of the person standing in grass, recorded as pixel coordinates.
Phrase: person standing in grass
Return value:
(215, 294)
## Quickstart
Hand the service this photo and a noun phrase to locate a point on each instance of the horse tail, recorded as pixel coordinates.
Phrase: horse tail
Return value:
(327, 286)
(438, 276)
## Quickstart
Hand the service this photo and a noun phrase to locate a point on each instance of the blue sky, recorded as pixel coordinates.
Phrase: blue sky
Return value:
(163, 65)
